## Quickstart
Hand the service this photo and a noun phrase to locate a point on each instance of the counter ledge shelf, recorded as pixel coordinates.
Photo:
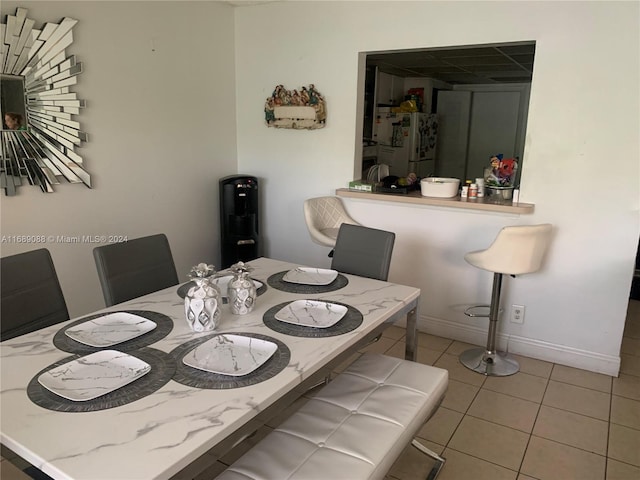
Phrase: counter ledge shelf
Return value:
(416, 198)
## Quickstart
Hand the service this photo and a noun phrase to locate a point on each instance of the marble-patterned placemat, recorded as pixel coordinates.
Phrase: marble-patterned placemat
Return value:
(183, 289)
(193, 377)
(278, 283)
(163, 328)
(351, 320)
(163, 367)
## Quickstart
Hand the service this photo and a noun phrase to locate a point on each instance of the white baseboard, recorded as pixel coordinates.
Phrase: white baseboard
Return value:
(528, 347)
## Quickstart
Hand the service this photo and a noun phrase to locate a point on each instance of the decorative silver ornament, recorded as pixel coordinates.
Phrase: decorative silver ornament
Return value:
(241, 291)
(203, 300)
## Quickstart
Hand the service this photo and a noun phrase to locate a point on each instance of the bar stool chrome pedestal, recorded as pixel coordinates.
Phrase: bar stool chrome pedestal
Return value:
(515, 251)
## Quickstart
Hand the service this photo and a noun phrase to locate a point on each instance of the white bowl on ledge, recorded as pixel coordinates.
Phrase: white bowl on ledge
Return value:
(441, 187)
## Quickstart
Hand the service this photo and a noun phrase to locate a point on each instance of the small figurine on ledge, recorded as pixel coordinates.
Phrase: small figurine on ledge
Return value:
(499, 179)
(502, 172)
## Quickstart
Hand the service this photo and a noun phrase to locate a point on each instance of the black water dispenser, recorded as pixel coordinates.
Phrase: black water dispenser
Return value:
(239, 231)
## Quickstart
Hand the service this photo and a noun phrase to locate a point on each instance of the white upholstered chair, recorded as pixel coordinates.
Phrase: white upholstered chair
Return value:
(323, 216)
(517, 250)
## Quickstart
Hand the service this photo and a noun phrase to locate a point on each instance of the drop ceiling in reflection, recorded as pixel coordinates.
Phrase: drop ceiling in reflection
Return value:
(481, 64)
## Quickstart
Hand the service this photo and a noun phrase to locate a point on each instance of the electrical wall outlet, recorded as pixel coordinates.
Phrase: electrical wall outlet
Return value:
(517, 313)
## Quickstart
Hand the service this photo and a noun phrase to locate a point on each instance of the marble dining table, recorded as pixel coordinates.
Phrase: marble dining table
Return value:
(162, 433)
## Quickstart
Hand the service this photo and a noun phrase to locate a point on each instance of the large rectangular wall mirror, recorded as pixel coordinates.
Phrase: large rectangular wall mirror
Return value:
(41, 131)
(472, 102)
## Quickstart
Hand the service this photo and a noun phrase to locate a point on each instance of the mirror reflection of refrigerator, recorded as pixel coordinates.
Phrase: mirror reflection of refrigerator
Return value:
(407, 142)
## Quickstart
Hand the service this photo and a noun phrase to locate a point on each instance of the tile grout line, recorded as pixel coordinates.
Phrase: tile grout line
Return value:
(464, 415)
(487, 461)
(535, 420)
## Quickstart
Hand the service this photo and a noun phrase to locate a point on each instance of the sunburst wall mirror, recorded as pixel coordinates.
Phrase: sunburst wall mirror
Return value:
(41, 131)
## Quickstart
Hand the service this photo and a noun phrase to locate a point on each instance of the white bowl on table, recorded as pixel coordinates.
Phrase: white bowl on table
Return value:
(441, 187)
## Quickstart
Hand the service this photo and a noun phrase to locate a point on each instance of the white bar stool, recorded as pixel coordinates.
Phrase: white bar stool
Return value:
(323, 216)
(515, 251)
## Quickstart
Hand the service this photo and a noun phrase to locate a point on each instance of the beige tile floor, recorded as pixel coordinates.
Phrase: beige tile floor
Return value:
(547, 422)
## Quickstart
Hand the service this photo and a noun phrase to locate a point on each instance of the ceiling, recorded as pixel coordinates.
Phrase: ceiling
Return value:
(486, 64)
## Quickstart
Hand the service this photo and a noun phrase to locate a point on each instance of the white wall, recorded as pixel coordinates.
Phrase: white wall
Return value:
(581, 166)
(162, 132)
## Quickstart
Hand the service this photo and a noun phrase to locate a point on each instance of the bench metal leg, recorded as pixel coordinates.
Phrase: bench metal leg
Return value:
(430, 453)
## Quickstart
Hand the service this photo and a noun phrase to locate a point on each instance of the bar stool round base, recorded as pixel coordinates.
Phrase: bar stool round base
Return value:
(497, 364)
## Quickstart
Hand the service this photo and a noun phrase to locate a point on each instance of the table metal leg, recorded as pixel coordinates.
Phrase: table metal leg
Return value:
(412, 335)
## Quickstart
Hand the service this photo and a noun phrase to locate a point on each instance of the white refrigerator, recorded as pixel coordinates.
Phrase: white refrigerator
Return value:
(406, 142)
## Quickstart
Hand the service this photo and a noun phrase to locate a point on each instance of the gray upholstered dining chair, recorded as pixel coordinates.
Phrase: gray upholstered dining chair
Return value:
(31, 297)
(134, 268)
(363, 251)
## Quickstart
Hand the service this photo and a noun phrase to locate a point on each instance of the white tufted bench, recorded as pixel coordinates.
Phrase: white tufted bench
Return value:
(354, 428)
